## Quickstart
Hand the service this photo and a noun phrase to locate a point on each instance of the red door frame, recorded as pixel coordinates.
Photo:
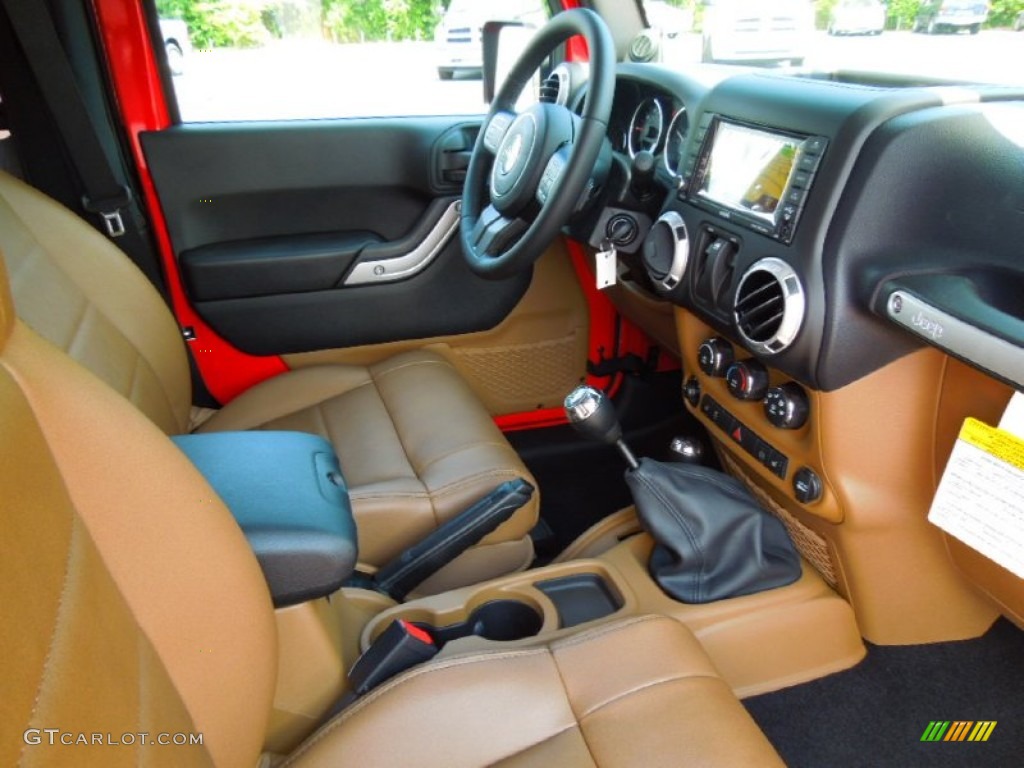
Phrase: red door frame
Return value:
(226, 370)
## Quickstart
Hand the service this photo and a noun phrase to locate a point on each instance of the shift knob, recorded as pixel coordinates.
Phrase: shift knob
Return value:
(594, 417)
(592, 414)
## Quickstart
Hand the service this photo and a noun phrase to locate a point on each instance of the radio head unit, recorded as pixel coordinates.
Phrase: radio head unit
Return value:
(756, 176)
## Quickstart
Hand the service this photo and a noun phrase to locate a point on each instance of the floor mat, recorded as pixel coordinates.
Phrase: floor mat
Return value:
(876, 713)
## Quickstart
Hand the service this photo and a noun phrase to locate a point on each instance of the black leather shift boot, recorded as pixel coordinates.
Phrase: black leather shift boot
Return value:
(713, 541)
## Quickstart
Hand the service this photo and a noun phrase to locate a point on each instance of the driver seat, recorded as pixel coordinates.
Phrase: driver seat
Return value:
(415, 444)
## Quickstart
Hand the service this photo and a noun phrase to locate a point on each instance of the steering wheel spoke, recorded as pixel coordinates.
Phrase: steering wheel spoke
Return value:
(494, 233)
(496, 129)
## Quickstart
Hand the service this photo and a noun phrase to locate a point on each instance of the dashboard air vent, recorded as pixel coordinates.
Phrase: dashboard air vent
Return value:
(549, 89)
(770, 306)
(555, 88)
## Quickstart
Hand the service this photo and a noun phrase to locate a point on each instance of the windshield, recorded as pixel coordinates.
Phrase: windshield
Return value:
(952, 40)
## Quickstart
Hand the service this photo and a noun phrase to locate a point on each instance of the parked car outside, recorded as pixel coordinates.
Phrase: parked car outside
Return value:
(937, 16)
(857, 17)
(757, 30)
(671, 20)
(176, 44)
(459, 35)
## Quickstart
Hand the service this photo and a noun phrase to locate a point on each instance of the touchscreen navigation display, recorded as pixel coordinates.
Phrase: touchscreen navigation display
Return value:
(748, 169)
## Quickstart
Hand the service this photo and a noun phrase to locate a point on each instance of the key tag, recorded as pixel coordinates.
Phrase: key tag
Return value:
(607, 265)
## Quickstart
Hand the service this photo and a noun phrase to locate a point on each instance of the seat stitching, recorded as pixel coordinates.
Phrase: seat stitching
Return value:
(444, 490)
(462, 448)
(607, 629)
(411, 364)
(568, 700)
(268, 424)
(401, 443)
(416, 672)
(455, 485)
(72, 541)
(646, 686)
(77, 328)
(318, 409)
(28, 226)
(142, 687)
(554, 735)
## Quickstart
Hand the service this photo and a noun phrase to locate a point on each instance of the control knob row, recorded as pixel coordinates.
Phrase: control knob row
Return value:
(786, 406)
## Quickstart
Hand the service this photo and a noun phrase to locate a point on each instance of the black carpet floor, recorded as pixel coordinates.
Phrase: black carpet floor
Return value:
(875, 714)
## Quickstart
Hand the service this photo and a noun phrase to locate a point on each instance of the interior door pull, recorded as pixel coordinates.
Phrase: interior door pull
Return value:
(420, 254)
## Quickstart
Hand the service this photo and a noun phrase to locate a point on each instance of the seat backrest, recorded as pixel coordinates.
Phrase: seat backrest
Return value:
(76, 289)
(131, 602)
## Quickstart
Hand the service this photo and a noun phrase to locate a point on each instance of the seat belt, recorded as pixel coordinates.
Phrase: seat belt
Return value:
(104, 195)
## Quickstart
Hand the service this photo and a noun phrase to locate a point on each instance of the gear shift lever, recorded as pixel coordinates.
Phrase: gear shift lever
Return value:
(593, 416)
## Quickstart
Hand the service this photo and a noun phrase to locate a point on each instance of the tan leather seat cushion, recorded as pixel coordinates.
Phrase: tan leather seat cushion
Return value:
(415, 445)
(637, 693)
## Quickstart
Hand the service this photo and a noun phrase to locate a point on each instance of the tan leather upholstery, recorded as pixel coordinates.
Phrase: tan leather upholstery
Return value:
(133, 604)
(637, 693)
(78, 291)
(416, 446)
(423, 454)
(131, 600)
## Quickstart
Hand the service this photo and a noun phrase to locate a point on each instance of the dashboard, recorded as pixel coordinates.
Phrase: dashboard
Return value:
(786, 210)
(838, 264)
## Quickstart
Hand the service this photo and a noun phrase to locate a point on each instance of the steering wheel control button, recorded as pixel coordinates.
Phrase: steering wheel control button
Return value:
(807, 485)
(787, 406)
(714, 356)
(691, 391)
(747, 380)
(497, 129)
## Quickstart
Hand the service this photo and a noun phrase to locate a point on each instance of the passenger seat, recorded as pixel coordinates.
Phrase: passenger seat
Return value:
(416, 445)
(133, 604)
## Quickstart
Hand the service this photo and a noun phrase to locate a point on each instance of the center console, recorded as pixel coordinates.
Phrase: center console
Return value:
(758, 642)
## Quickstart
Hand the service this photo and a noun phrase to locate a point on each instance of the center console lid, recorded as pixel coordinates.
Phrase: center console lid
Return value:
(287, 493)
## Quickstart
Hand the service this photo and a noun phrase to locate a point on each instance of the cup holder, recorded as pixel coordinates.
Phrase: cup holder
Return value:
(499, 620)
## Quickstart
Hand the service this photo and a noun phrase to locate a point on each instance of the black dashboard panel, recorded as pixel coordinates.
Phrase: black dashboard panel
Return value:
(907, 179)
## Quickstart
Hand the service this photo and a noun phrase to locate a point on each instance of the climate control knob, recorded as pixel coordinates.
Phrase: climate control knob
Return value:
(786, 406)
(714, 356)
(747, 380)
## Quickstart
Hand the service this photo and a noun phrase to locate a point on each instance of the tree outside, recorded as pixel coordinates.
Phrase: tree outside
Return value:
(249, 23)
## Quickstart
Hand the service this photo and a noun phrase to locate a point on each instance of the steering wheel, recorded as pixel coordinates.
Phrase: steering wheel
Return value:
(529, 171)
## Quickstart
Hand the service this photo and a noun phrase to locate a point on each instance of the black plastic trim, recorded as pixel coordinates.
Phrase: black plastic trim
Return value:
(445, 299)
(580, 598)
(271, 265)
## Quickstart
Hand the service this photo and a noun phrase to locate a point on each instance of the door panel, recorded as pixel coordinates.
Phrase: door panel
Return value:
(282, 230)
(528, 361)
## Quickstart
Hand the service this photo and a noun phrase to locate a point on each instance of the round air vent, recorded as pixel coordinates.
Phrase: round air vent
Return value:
(666, 250)
(770, 306)
(644, 47)
(555, 88)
